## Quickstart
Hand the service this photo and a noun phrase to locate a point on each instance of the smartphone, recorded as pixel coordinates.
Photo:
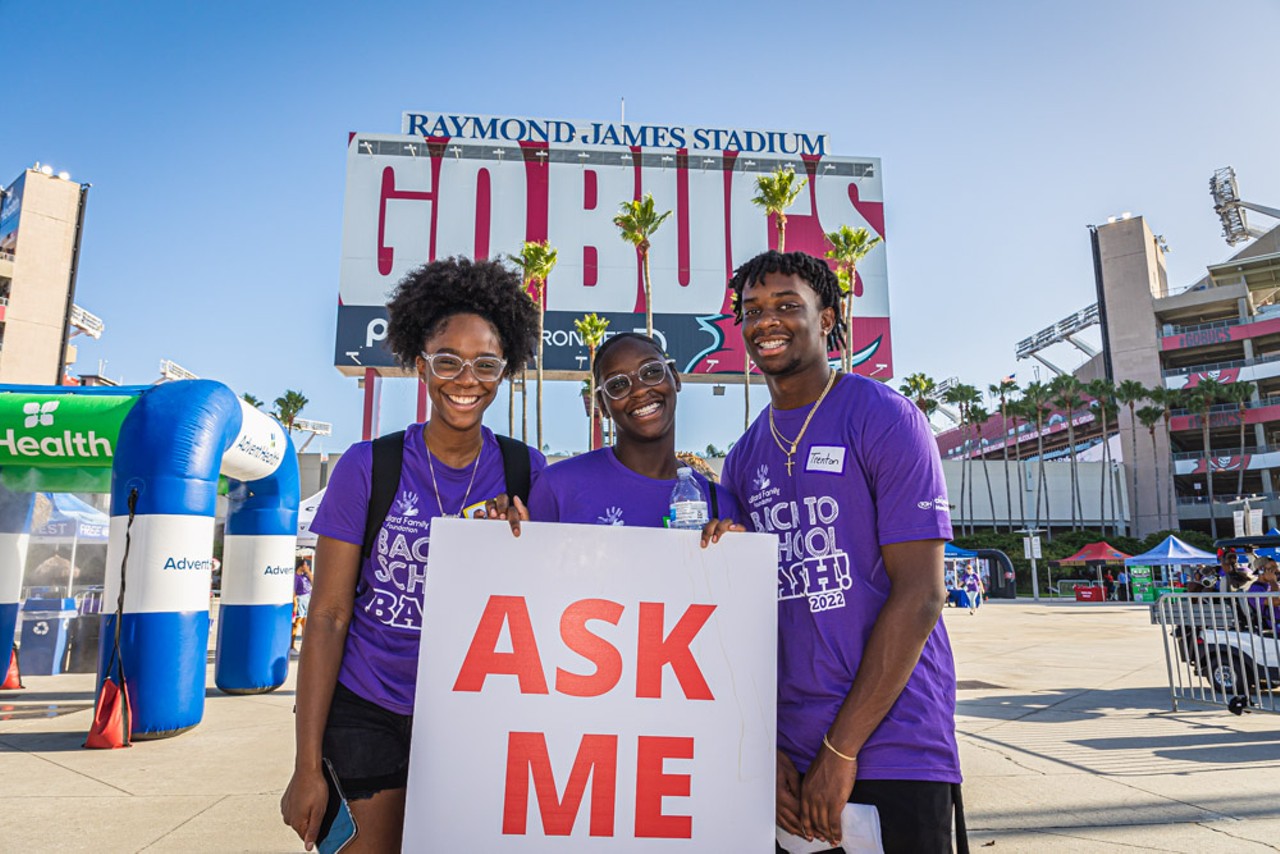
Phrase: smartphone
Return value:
(338, 827)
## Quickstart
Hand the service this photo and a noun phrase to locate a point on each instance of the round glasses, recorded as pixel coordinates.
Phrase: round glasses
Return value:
(446, 366)
(652, 373)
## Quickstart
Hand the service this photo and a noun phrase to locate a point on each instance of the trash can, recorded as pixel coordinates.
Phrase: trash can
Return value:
(44, 635)
(82, 642)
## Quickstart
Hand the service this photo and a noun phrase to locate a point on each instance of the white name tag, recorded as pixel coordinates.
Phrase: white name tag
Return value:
(828, 459)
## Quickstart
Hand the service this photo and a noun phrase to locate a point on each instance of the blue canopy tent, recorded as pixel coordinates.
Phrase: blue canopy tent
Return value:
(1172, 552)
(954, 552)
(72, 521)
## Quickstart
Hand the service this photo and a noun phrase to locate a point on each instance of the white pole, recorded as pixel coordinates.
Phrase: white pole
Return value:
(75, 540)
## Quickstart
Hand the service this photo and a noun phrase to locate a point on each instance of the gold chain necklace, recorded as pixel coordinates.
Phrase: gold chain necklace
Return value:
(431, 467)
(782, 440)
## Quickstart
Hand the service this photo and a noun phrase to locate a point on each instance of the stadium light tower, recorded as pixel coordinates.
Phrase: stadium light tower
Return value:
(1230, 207)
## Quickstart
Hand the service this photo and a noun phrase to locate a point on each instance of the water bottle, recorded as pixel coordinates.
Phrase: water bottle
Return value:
(688, 507)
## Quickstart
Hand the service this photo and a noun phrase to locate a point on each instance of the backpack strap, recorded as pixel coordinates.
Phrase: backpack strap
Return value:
(384, 479)
(715, 505)
(515, 467)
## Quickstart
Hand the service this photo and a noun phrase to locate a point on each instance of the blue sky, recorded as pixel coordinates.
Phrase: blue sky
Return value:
(214, 136)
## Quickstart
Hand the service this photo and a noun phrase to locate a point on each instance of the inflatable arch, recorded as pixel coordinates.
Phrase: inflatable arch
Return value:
(160, 451)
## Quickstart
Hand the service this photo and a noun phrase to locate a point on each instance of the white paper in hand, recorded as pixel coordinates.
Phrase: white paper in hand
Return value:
(859, 829)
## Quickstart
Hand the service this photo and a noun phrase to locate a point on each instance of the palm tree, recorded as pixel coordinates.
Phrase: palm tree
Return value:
(848, 247)
(535, 262)
(919, 388)
(978, 418)
(1131, 393)
(1017, 411)
(1067, 397)
(1149, 416)
(776, 192)
(253, 401)
(963, 396)
(1035, 398)
(954, 396)
(1103, 392)
(1202, 398)
(592, 328)
(1002, 390)
(289, 406)
(1169, 399)
(1240, 394)
(638, 220)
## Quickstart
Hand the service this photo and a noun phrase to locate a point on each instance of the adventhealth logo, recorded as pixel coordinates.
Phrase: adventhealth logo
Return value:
(277, 570)
(69, 444)
(188, 563)
(39, 413)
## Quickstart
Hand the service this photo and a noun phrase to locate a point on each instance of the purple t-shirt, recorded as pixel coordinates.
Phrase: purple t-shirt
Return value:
(380, 660)
(595, 489)
(866, 474)
(301, 584)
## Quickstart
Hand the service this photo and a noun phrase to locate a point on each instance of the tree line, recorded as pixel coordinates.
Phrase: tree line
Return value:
(1031, 406)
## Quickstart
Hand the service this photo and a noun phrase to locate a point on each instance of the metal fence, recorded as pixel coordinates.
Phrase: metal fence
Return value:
(1221, 649)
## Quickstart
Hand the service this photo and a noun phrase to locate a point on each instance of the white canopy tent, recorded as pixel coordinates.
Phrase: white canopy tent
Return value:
(306, 514)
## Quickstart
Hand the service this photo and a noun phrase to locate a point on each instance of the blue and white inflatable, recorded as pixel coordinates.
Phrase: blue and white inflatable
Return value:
(15, 521)
(174, 443)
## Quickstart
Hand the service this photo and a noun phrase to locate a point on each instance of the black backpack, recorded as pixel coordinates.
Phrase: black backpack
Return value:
(388, 459)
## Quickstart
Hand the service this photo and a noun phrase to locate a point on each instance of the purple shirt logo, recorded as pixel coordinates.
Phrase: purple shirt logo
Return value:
(612, 516)
(761, 480)
(407, 504)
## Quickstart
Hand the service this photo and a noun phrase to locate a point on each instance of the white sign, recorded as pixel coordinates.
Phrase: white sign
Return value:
(1031, 548)
(594, 688)
(1255, 523)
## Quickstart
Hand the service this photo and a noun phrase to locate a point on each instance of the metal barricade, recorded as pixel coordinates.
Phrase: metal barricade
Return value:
(1221, 649)
(1074, 583)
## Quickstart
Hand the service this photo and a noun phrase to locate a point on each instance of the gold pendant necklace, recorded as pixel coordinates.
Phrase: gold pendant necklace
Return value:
(782, 440)
(431, 467)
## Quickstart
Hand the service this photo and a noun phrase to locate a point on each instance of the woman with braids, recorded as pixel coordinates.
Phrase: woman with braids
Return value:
(463, 327)
(630, 483)
(846, 472)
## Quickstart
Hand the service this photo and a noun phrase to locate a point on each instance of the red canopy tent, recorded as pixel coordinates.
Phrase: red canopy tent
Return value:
(1096, 555)
(1102, 552)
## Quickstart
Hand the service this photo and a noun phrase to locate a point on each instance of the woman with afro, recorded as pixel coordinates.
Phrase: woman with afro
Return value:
(463, 326)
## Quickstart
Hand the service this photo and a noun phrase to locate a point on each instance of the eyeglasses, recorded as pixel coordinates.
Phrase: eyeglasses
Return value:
(652, 373)
(446, 366)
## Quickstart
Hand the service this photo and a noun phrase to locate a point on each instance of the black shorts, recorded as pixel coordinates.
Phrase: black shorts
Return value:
(367, 744)
(915, 816)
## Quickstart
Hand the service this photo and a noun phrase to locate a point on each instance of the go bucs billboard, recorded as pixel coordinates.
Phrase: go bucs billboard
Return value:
(479, 186)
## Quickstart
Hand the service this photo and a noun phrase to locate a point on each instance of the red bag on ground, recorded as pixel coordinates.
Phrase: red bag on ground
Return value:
(13, 679)
(112, 722)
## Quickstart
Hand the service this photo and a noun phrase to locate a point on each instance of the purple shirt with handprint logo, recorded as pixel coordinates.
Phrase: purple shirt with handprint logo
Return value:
(380, 660)
(866, 475)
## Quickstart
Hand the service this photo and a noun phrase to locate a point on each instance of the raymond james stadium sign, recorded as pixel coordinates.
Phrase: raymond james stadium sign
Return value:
(463, 126)
(481, 186)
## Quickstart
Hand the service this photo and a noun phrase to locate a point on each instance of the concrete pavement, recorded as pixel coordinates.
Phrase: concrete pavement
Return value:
(1067, 744)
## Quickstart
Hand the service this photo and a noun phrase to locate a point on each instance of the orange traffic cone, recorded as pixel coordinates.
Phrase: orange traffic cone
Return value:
(13, 679)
